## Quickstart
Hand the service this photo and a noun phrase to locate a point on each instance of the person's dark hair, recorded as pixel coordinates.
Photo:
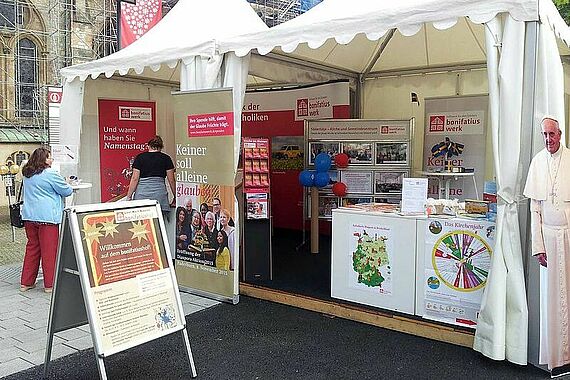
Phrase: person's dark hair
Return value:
(156, 143)
(36, 163)
(224, 241)
(204, 205)
(178, 210)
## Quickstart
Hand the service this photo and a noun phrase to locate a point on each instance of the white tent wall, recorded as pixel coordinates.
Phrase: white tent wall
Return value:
(389, 98)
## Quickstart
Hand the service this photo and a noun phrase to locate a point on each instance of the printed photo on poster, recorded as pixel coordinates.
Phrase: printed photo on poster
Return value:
(395, 153)
(287, 153)
(371, 253)
(334, 177)
(331, 148)
(257, 206)
(390, 200)
(326, 205)
(205, 225)
(359, 153)
(386, 182)
(351, 201)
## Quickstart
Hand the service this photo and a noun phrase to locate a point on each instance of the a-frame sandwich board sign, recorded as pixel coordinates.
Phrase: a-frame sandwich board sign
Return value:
(114, 271)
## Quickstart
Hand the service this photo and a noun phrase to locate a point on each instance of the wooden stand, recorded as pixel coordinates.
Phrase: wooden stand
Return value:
(314, 220)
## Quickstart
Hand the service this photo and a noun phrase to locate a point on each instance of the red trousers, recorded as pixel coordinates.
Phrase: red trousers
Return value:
(42, 244)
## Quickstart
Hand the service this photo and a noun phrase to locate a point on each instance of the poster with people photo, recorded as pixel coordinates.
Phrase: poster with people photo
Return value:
(326, 204)
(389, 182)
(359, 153)
(257, 206)
(331, 148)
(392, 153)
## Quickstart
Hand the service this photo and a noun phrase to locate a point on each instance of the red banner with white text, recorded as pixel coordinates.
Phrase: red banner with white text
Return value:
(137, 19)
(124, 129)
(280, 115)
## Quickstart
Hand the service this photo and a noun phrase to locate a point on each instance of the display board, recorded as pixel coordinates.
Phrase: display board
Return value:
(379, 154)
(373, 259)
(456, 132)
(456, 259)
(207, 242)
(125, 127)
(114, 271)
(279, 115)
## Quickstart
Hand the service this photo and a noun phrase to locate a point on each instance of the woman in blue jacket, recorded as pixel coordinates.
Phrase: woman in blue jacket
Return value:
(42, 212)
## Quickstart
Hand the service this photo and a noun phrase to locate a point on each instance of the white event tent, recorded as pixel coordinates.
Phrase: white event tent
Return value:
(506, 48)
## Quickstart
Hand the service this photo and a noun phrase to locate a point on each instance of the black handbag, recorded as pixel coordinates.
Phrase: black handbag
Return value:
(15, 214)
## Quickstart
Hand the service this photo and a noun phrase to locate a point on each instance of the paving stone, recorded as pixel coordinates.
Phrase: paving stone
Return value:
(72, 334)
(13, 366)
(57, 351)
(39, 343)
(16, 329)
(9, 353)
(190, 308)
(205, 302)
(81, 343)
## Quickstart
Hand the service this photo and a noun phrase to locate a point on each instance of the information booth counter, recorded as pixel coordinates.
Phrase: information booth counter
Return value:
(432, 267)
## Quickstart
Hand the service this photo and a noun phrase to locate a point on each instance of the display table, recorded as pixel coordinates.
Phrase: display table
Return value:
(447, 177)
(431, 267)
(70, 201)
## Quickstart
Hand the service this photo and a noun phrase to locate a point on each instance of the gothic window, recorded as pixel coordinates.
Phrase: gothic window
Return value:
(26, 65)
(11, 14)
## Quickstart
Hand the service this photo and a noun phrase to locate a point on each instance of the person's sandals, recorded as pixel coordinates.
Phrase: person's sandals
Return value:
(25, 288)
(48, 290)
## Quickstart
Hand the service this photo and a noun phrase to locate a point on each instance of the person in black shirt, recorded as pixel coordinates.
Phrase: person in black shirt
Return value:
(149, 171)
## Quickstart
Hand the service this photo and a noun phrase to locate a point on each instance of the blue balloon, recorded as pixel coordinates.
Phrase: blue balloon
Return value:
(322, 179)
(307, 178)
(322, 162)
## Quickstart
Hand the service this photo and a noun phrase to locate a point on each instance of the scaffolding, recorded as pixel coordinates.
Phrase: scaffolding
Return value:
(274, 12)
(40, 37)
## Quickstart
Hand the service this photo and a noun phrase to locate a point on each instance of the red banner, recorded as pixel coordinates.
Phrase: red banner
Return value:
(137, 19)
(124, 129)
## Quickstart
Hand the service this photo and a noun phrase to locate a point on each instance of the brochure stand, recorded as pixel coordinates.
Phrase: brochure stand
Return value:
(114, 262)
(257, 256)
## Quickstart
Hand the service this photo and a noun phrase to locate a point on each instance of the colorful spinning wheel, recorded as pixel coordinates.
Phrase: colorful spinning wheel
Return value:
(461, 259)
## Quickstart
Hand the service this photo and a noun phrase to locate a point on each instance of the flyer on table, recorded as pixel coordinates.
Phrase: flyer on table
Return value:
(206, 231)
(129, 276)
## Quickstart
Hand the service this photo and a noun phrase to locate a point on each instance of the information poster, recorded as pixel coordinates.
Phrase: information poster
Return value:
(257, 206)
(456, 132)
(371, 257)
(131, 286)
(357, 181)
(457, 263)
(124, 129)
(206, 231)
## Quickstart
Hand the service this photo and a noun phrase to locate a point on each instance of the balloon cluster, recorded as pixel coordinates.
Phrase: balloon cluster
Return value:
(320, 176)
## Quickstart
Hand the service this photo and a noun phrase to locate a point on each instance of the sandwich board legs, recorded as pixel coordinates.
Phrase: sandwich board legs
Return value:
(189, 351)
(101, 367)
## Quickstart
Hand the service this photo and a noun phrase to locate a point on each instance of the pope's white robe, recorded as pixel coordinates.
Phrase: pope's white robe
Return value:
(550, 222)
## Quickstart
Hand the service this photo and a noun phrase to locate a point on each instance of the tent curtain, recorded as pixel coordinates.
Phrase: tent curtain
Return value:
(502, 328)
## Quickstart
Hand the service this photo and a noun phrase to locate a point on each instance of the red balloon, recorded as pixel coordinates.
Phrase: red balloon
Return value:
(341, 160)
(339, 189)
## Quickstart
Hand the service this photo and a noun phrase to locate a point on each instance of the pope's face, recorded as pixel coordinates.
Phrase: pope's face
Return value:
(196, 219)
(551, 134)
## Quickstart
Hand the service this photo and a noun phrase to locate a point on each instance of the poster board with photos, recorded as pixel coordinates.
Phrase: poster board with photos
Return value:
(380, 156)
(114, 271)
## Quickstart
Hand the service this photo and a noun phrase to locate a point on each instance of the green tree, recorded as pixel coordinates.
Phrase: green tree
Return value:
(564, 9)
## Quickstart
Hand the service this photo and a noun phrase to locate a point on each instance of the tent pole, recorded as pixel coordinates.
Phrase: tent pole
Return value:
(527, 145)
(376, 57)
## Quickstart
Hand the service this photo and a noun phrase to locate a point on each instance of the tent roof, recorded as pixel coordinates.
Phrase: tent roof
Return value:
(384, 36)
(404, 34)
(191, 28)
